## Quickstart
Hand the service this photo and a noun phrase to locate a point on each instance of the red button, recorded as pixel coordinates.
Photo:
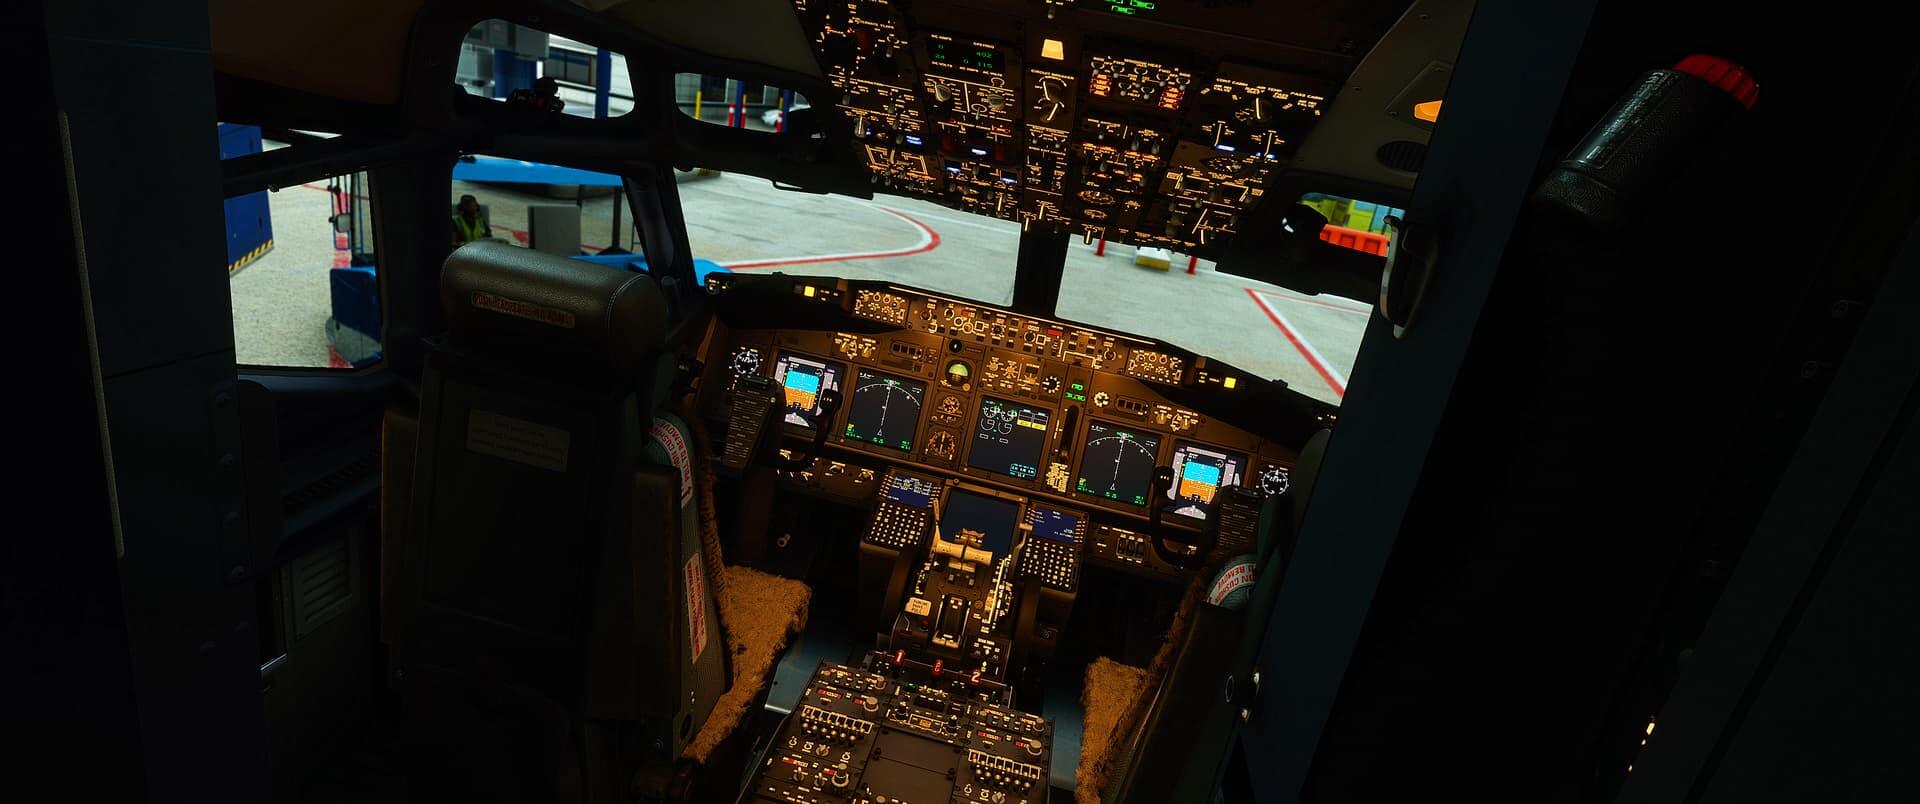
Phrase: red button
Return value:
(1729, 77)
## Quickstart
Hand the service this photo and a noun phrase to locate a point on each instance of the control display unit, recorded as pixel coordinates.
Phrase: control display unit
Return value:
(1199, 473)
(900, 518)
(1118, 463)
(907, 489)
(1052, 555)
(1053, 525)
(1008, 438)
(802, 380)
(884, 409)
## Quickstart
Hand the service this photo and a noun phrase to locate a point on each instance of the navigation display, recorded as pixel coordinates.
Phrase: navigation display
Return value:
(1052, 525)
(1198, 474)
(884, 409)
(1118, 463)
(906, 489)
(986, 521)
(1009, 438)
(802, 380)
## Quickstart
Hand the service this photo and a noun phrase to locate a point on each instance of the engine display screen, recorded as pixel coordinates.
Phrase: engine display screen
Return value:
(1009, 438)
(1057, 526)
(1198, 475)
(1118, 463)
(906, 489)
(802, 380)
(979, 519)
(884, 409)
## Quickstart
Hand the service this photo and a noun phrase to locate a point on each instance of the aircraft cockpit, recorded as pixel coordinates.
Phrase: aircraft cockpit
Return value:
(878, 401)
(900, 531)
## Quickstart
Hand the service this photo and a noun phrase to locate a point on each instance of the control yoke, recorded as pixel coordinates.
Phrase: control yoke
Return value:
(829, 404)
(1157, 504)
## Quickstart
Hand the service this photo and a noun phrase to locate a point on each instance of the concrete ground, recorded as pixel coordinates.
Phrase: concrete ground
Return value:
(281, 301)
(1308, 342)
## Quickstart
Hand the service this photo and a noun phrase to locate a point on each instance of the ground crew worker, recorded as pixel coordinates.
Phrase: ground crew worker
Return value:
(469, 224)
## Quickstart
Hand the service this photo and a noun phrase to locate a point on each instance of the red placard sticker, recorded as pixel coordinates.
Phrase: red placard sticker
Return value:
(1234, 578)
(676, 446)
(696, 604)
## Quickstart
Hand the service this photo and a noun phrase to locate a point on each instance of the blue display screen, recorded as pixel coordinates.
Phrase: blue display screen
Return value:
(802, 380)
(990, 520)
(909, 490)
(1199, 473)
(1053, 525)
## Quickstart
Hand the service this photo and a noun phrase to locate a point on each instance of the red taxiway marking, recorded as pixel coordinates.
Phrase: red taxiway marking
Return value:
(1300, 344)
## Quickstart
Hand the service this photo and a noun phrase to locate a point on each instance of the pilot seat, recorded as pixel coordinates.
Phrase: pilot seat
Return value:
(562, 622)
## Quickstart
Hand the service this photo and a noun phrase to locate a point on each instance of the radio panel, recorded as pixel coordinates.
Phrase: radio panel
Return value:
(890, 732)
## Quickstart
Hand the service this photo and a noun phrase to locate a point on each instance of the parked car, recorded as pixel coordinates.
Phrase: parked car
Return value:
(772, 116)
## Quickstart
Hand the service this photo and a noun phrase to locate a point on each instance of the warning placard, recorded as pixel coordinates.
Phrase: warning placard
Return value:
(696, 573)
(675, 444)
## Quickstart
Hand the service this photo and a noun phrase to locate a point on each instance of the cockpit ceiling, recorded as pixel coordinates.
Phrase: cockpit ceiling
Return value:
(356, 49)
(353, 51)
(765, 32)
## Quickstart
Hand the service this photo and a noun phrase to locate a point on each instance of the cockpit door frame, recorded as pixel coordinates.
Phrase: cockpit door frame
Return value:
(1514, 65)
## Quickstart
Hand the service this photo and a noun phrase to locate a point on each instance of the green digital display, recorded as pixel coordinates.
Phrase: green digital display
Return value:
(1131, 7)
(950, 52)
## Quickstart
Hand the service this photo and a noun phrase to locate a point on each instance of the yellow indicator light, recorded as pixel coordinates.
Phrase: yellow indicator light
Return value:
(1053, 49)
(1429, 111)
(1230, 382)
(808, 291)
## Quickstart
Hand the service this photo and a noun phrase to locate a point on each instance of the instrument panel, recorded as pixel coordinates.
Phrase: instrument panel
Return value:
(1152, 122)
(1047, 409)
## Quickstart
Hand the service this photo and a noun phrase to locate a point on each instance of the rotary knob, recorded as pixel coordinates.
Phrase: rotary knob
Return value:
(1101, 399)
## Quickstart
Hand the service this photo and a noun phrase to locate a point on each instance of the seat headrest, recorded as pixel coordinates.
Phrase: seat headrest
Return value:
(553, 311)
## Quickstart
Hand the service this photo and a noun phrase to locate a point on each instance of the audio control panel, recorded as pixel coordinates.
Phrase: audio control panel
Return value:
(888, 731)
(1157, 124)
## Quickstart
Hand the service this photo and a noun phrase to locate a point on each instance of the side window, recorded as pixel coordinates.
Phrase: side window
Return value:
(524, 66)
(301, 269)
(735, 103)
(1358, 225)
(559, 210)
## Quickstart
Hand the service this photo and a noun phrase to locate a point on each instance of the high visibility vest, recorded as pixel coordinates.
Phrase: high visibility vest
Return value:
(470, 233)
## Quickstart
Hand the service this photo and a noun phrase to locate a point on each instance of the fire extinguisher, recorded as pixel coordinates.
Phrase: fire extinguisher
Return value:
(1644, 140)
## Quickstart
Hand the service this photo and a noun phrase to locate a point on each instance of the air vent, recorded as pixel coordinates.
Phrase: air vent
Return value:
(1402, 155)
(322, 585)
(353, 478)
